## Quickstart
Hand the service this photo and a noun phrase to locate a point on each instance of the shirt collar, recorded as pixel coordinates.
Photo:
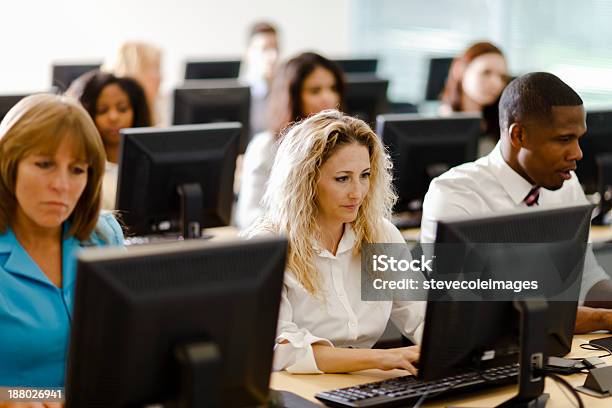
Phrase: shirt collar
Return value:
(514, 184)
(20, 263)
(347, 243)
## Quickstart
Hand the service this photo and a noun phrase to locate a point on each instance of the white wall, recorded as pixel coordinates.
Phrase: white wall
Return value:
(36, 33)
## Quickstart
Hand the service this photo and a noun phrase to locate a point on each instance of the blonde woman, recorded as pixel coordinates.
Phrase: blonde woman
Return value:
(329, 193)
(142, 62)
(51, 169)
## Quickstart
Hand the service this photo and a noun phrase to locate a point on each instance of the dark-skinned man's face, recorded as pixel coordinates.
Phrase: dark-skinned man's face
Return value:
(549, 149)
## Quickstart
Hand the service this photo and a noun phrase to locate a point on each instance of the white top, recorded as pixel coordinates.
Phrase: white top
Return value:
(338, 317)
(490, 185)
(109, 186)
(256, 168)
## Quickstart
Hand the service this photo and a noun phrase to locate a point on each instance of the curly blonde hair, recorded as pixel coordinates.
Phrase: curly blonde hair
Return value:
(290, 197)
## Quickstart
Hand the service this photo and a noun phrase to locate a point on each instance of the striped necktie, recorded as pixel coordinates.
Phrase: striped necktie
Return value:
(532, 197)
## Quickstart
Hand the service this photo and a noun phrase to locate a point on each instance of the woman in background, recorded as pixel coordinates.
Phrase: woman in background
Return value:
(304, 85)
(51, 168)
(114, 104)
(475, 82)
(142, 62)
(329, 194)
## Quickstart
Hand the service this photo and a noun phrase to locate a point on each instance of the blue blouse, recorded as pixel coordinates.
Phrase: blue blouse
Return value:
(35, 315)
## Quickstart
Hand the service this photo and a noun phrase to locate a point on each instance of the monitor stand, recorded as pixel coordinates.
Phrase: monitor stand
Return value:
(532, 355)
(191, 210)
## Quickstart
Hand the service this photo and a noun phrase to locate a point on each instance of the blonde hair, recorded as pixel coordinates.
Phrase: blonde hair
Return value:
(39, 124)
(133, 58)
(290, 197)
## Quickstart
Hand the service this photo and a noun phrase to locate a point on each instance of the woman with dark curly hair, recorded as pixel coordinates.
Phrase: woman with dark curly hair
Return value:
(113, 103)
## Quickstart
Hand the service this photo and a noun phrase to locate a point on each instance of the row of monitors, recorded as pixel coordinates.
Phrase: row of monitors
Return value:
(156, 166)
(206, 101)
(155, 162)
(63, 74)
(147, 328)
(433, 146)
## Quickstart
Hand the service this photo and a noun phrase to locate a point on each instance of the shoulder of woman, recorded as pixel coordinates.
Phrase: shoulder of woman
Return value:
(107, 231)
(391, 233)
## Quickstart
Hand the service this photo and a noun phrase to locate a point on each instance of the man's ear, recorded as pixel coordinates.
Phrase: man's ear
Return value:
(517, 135)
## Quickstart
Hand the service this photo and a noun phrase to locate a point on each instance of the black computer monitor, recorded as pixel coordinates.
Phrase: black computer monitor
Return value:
(462, 336)
(436, 77)
(422, 148)
(212, 69)
(366, 97)
(63, 74)
(177, 179)
(209, 101)
(190, 322)
(357, 65)
(597, 140)
(7, 102)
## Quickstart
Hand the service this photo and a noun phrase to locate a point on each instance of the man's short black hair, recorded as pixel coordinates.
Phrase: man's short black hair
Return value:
(532, 96)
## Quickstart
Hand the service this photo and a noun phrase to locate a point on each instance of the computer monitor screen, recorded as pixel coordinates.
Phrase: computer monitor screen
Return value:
(177, 179)
(7, 102)
(365, 97)
(462, 336)
(209, 101)
(63, 74)
(191, 322)
(357, 65)
(422, 148)
(212, 69)
(436, 77)
(597, 140)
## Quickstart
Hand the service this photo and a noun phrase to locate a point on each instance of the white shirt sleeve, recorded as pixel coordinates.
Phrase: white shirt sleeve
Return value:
(441, 203)
(293, 351)
(257, 164)
(592, 273)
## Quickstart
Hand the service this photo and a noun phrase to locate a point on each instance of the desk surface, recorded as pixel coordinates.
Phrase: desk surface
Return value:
(599, 233)
(307, 385)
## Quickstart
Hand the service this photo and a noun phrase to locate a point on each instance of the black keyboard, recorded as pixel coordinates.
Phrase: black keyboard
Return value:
(407, 390)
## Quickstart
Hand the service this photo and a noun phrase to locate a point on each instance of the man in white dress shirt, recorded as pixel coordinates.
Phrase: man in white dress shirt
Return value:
(541, 120)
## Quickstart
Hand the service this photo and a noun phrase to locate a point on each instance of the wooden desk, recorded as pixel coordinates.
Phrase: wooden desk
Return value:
(307, 385)
(222, 233)
(599, 233)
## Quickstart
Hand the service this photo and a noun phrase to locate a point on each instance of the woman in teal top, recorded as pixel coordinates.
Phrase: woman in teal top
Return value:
(51, 169)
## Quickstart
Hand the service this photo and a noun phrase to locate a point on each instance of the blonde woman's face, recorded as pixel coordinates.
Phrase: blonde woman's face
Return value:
(343, 185)
(319, 92)
(48, 187)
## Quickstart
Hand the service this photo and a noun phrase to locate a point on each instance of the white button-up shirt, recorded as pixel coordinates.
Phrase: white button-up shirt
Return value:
(490, 185)
(256, 168)
(337, 316)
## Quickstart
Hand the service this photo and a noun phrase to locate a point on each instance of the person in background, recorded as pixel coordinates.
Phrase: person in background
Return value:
(51, 168)
(114, 103)
(475, 82)
(305, 85)
(329, 194)
(142, 62)
(257, 70)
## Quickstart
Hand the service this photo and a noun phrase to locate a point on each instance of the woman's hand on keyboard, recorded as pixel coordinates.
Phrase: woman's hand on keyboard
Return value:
(403, 357)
